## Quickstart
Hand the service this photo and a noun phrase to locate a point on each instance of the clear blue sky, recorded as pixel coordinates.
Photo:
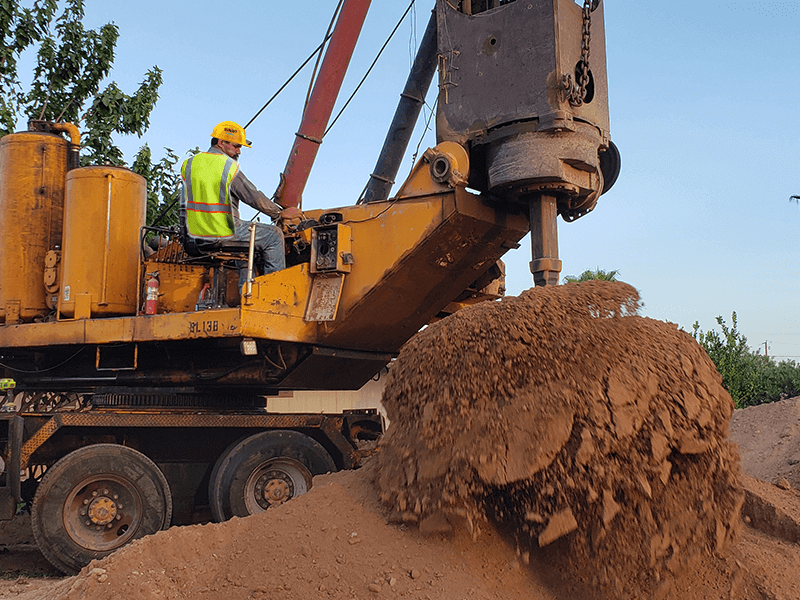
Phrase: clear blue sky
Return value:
(704, 109)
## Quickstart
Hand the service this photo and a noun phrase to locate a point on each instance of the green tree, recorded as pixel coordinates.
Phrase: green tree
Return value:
(735, 362)
(71, 64)
(163, 184)
(589, 275)
(750, 378)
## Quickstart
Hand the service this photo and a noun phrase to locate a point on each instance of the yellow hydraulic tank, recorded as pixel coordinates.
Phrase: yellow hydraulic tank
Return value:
(33, 169)
(103, 214)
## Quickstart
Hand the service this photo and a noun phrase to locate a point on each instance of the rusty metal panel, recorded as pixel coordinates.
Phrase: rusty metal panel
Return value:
(42, 334)
(326, 290)
(335, 369)
(507, 88)
(44, 433)
(180, 326)
(450, 251)
(33, 168)
(145, 419)
(176, 326)
(99, 331)
(506, 64)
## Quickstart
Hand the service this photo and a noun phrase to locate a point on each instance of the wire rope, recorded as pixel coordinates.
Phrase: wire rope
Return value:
(319, 56)
(363, 79)
(288, 81)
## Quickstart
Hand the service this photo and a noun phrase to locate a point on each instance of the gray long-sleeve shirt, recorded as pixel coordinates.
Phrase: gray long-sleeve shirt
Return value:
(243, 190)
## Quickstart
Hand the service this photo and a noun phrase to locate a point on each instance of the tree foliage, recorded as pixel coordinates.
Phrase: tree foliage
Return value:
(750, 378)
(589, 275)
(732, 356)
(163, 183)
(72, 63)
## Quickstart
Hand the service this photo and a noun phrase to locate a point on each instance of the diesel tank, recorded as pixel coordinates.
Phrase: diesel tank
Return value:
(104, 212)
(33, 169)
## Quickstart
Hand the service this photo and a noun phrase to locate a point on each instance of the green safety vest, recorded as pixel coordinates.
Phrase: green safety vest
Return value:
(207, 181)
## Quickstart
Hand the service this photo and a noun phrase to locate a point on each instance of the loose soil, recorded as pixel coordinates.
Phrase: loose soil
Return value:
(549, 446)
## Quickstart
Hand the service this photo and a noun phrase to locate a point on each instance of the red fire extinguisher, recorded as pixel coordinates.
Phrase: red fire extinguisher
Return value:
(151, 298)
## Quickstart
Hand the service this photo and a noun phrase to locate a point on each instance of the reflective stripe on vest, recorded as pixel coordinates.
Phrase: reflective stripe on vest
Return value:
(207, 181)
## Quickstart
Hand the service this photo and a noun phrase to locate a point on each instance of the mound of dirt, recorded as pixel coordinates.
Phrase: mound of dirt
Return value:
(626, 451)
(769, 440)
(306, 549)
(332, 542)
(562, 411)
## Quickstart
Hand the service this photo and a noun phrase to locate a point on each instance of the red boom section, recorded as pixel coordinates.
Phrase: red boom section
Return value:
(323, 97)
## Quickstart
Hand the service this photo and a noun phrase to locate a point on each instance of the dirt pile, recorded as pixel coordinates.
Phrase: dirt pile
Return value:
(330, 543)
(306, 549)
(769, 440)
(562, 411)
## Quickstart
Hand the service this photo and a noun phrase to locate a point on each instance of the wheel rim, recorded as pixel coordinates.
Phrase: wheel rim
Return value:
(102, 512)
(274, 482)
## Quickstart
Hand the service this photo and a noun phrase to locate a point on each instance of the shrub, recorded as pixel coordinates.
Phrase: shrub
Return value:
(750, 379)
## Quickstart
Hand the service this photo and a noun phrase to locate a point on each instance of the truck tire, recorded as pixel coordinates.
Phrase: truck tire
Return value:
(264, 470)
(95, 500)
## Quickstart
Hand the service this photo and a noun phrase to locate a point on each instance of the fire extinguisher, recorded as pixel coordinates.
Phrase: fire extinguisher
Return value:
(151, 298)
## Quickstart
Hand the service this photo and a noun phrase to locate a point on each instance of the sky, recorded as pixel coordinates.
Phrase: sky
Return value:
(703, 105)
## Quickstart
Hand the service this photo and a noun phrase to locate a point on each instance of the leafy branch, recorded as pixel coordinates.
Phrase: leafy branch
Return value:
(590, 275)
(72, 63)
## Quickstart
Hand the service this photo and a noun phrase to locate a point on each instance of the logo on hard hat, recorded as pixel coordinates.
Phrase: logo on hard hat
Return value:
(229, 130)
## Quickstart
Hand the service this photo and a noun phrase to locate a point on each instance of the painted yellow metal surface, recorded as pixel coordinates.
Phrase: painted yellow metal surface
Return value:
(104, 211)
(409, 259)
(223, 322)
(440, 169)
(278, 305)
(179, 285)
(33, 167)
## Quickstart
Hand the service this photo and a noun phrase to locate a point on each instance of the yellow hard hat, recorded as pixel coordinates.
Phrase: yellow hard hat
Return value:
(231, 132)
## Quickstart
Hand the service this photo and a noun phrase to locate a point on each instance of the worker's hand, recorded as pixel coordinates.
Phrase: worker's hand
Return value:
(291, 213)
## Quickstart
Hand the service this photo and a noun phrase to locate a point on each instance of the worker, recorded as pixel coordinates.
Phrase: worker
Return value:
(212, 213)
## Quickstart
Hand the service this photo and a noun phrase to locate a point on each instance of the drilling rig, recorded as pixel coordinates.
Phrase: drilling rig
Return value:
(130, 410)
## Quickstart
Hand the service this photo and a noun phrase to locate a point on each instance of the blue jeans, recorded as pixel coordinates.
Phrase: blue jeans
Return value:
(270, 252)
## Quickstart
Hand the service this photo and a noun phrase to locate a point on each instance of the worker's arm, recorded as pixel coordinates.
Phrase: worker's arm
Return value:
(246, 192)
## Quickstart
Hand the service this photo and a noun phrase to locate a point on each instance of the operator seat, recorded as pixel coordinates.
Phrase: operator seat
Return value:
(220, 256)
(208, 248)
